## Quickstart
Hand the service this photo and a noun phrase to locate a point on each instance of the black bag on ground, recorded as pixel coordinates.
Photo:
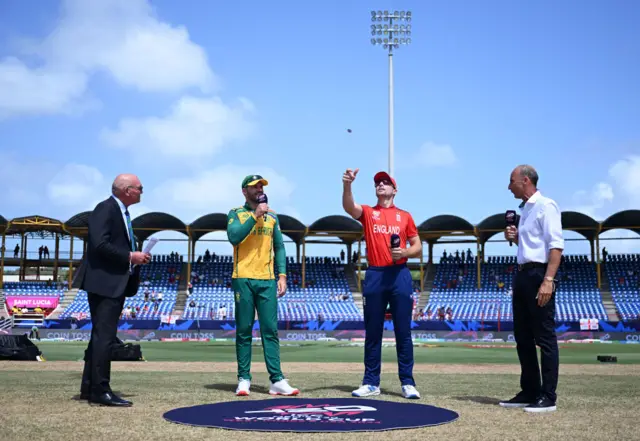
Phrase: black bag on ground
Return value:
(121, 351)
(18, 347)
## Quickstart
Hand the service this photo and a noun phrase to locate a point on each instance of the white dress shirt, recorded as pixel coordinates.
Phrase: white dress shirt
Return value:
(539, 230)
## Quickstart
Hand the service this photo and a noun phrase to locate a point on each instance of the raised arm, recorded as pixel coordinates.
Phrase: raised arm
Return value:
(348, 203)
(237, 231)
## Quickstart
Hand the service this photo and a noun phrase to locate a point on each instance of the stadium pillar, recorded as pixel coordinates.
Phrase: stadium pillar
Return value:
(188, 256)
(359, 266)
(479, 267)
(56, 255)
(2, 250)
(297, 253)
(430, 261)
(593, 250)
(23, 257)
(304, 263)
(421, 272)
(598, 274)
(71, 262)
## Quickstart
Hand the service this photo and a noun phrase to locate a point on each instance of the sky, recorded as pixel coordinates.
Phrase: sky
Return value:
(192, 96)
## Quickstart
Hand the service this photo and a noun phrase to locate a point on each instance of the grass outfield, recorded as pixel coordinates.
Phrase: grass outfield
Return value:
(331, 352)
(596, 401)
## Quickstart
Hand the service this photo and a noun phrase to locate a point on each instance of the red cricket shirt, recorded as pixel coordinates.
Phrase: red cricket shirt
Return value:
(379, 224)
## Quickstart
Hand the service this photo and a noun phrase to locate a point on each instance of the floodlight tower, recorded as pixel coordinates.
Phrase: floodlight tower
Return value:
(391, 36)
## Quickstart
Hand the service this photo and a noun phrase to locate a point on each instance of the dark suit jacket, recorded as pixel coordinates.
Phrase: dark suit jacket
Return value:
(105, 270)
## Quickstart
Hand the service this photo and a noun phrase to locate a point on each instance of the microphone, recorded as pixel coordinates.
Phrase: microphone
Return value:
(263, 199)
(395, 241)
(510, 220)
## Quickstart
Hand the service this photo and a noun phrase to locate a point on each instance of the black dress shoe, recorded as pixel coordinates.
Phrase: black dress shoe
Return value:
(85, 395)
(117, 398)
(108, 399)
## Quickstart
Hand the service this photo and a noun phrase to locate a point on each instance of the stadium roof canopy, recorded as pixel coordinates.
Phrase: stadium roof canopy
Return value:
(444, 225)
(345, 228)
(625, 220)
(150, 223)
(207, 224)
(3, 223)
(78, 225)
(35, 226)
(571, 220)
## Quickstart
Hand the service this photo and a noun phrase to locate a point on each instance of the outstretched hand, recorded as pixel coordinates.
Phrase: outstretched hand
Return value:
(350, 175)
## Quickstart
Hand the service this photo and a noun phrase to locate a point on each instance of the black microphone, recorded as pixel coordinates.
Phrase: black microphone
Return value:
(510, 220)
(395, 241)
(263, 199)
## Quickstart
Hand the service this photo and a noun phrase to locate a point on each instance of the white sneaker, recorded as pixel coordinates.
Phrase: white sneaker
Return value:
(366, 390)
(410, 392)
(243, 388)
(282, 388)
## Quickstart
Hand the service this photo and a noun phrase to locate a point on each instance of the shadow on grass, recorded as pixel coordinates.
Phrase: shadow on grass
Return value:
(118, 393)
(479, 400)
(350, 388)
(231, 387)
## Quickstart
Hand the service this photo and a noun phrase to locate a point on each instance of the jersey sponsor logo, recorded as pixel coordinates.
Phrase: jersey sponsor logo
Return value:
(262, 231)
(398, 217)
(386, 229)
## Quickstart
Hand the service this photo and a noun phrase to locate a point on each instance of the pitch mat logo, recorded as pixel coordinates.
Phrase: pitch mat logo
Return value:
(310, 413)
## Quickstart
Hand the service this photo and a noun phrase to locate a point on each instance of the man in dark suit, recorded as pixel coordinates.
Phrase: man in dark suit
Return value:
(109, 274)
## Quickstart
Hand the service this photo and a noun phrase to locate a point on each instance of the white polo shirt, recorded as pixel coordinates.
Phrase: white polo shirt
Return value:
(539, 230)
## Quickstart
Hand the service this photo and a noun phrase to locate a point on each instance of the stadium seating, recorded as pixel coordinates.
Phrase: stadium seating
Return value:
(622, 271)
(156, 277)
(455, 286)
(33, 289)
(326, 296)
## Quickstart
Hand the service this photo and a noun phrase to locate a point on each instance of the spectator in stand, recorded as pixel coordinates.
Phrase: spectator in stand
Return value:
(16, 252)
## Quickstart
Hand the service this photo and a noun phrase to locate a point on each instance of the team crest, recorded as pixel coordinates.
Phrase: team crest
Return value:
(376, 215)
(237, 297)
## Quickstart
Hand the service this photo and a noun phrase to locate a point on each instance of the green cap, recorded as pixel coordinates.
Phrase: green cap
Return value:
(251, 180)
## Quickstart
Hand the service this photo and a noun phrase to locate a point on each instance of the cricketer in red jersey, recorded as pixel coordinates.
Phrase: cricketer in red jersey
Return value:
(387, 280)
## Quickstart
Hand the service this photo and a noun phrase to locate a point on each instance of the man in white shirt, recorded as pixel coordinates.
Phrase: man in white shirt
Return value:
(540, 246)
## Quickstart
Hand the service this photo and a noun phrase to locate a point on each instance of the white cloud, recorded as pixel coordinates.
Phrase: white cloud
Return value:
(626, 175)
(436, 155)
(216, 191)
(122, 38)
(24, 183)
(591, 202)
(201, 126)
(77, 185)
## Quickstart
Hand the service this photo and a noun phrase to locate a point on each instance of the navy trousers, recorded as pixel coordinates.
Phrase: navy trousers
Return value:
(389, 285)
(535, 326)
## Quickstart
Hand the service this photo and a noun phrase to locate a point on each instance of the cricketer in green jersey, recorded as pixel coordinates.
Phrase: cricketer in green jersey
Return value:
(254, 232)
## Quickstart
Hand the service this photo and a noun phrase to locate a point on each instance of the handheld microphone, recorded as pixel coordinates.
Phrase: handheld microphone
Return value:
(263, 199)
(510, 220)
(395, 241)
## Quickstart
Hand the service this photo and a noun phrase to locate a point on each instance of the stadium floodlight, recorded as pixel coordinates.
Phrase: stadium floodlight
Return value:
(396, 31)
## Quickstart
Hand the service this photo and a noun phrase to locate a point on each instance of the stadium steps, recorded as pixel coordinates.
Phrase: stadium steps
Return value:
(607, 298)
(68, 299)
(184, 277)
(429, 276)
(181, 302)
(352, 279)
